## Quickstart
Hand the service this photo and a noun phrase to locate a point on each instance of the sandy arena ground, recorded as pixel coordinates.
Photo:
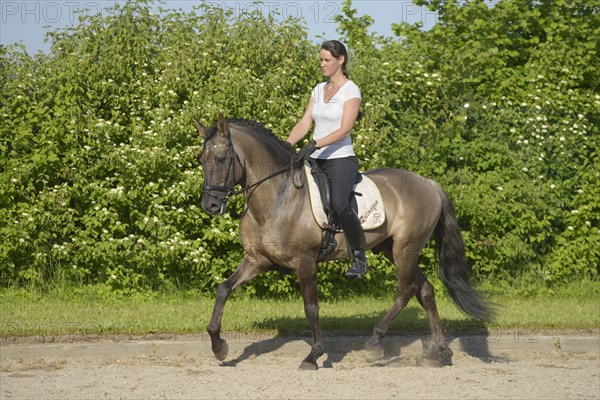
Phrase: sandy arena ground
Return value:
(508, 366)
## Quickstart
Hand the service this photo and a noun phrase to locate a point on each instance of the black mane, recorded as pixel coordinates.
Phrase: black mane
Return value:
(259, 131)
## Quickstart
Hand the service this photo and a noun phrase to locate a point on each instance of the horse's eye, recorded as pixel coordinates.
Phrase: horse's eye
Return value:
(220, 160)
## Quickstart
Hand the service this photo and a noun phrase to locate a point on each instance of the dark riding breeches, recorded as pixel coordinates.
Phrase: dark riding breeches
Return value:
(342, 175)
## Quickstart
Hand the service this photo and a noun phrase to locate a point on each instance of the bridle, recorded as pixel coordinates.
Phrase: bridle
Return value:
(228, 191)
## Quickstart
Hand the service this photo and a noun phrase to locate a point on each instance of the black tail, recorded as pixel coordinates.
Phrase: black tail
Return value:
(453, 266)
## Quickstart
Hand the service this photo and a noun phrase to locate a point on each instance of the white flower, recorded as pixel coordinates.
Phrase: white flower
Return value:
(467, 105)
(525, 169)
(500, 188)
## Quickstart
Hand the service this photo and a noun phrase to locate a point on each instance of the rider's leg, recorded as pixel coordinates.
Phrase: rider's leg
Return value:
(342, 175)
(356, 240)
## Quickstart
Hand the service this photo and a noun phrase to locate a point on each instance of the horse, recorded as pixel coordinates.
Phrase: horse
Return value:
(278, 230)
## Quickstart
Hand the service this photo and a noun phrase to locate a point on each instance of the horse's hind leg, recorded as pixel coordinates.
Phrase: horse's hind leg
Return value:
(406, 263)
(436, 347)
(246, 271)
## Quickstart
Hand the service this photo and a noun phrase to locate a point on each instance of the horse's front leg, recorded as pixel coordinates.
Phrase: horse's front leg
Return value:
(307, 277)
(248, 269)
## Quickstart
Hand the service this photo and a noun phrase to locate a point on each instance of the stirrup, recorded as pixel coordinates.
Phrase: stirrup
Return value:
(359, 265)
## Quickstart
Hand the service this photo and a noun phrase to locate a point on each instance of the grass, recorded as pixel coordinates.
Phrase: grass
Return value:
(93, 310)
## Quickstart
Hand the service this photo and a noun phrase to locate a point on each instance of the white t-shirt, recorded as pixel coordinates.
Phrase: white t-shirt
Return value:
(328, 118)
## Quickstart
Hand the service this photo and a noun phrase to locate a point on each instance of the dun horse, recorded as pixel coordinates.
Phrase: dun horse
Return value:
(277, 229)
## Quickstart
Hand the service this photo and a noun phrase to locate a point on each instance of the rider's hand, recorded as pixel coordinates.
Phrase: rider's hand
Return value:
(306, 151)
(288, 146)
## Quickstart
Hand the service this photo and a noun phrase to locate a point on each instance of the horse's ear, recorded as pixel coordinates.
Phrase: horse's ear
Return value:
(201, 128)
(222, 127)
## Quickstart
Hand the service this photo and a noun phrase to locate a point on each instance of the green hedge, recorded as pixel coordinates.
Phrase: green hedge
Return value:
(99, 179)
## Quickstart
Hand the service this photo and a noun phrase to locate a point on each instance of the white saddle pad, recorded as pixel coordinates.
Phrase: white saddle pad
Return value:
(371, 211)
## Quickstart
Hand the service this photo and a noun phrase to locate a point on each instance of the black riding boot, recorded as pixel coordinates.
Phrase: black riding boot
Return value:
(356, 240)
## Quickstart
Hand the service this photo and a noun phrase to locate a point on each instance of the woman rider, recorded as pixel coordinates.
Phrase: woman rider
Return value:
(334, 108)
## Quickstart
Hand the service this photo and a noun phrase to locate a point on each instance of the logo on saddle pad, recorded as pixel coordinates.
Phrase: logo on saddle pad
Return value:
(371, 211)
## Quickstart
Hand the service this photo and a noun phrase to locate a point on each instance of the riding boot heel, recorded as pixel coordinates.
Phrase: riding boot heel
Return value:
(359, 265)
(356, 242)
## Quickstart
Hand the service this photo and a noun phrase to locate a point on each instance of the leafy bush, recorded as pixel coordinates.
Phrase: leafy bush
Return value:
(99, 181)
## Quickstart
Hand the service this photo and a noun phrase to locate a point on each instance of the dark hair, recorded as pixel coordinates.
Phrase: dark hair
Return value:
(337, 49)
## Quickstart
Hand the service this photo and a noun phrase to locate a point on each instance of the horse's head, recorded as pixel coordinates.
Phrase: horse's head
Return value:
(222, 168)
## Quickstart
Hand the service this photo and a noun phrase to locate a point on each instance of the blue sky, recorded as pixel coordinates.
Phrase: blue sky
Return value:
(27, 21)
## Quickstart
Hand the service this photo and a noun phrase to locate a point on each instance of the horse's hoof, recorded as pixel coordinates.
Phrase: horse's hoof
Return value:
(308, 366)
(222, 353)
(374, 353)
(440, 357)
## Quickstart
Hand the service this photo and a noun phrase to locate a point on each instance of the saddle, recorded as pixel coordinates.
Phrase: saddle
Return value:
(367, 204)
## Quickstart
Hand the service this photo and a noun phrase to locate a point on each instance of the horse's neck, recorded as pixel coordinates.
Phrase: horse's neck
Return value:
(270, 199)
(258, 162)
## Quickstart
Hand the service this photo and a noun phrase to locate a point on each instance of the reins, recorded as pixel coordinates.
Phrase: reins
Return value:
(276, 173)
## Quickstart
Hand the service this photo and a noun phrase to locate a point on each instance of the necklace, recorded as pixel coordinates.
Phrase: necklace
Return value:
(331, 88)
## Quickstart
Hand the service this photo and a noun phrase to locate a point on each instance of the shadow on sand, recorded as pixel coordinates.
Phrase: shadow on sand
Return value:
(403, 342)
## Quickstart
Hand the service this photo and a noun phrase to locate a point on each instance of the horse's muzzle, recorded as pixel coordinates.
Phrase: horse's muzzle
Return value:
(213, 204)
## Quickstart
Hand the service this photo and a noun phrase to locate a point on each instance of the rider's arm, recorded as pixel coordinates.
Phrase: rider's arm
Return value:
(302, 127)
